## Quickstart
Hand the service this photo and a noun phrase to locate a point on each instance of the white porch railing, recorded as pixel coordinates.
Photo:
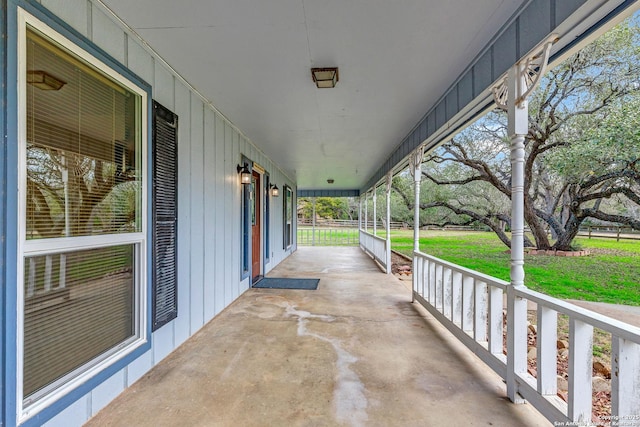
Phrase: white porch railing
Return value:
(376, 247)
(470, 305)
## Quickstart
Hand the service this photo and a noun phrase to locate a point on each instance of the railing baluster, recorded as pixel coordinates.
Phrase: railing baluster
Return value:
(422, 275)
(547, 338)
(446, 293)
(456, 298)
(426, 277)
(480, 312)
(432, 283)
(423, 278)
(417, 274)
(438, 284)
(496, 301)
(580, 368)
(468, 286)
(415, 278)
(625, 379)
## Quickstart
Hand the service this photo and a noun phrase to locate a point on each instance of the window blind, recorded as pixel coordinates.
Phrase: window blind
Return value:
(83, 169)
(78, 305)
(82, 177)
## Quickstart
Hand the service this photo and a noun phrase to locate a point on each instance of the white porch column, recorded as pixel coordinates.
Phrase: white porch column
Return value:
(313, 222)
(359, 213)
(518, 127)
(511, 94)
(375, 211)
(366, 211)
(415, 167)
(517, 307)
(388, 221)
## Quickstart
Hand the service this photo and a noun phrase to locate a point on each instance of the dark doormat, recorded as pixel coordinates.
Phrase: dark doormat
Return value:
(287, 283)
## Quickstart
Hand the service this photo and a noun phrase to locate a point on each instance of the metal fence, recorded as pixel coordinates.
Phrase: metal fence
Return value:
(328, 236)
(349, 223)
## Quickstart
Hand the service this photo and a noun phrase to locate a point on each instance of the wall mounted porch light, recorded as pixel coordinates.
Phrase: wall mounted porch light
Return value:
(325, 77)
(245, 175)
(275, 191)
(43, 80)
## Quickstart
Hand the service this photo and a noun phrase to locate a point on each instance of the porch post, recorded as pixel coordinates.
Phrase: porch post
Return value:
(415, 167)
(388, 221)
(375, 211)
(511, 94)
(359, 237)
(366, 211)
(313, 222)
(359, 213)
(516, 307)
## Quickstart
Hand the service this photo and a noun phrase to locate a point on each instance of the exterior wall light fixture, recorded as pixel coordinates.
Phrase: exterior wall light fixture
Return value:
(325, 77)
(275, 191)
(245, 175)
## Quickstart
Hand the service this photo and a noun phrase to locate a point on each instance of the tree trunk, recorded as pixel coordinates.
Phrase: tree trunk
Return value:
(501, 235)
(570, 232)
(84, 197)
(538, 231)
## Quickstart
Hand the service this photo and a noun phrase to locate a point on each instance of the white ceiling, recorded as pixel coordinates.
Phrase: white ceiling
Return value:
(252, 59)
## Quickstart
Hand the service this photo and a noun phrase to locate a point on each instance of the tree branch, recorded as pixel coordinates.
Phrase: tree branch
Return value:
(591, 213)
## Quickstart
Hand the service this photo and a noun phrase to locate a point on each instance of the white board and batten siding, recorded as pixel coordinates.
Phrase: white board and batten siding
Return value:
(209, 235)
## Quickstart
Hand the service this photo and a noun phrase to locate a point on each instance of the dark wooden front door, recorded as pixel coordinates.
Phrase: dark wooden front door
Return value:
(256, 235)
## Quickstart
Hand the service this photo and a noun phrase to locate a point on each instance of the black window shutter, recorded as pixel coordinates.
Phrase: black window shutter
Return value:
(165, 216)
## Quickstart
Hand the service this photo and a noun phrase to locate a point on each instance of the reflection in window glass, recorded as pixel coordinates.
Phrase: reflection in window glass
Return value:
(83, 154)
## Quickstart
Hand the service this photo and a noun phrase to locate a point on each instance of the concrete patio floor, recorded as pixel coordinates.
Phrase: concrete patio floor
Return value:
(354, 352)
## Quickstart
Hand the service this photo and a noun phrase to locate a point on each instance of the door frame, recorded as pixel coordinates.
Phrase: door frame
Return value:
(259, 193)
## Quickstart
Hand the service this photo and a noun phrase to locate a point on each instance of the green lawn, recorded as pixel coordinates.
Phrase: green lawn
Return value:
(328, 236)
(610, 274)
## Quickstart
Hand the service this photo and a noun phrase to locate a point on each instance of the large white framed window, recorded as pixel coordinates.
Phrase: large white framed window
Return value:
(82, 216)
